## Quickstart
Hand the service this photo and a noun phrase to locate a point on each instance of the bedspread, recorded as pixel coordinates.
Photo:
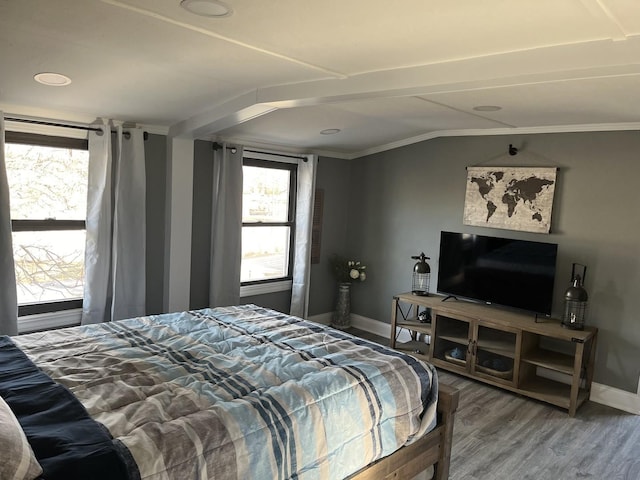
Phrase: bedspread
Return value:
(240, 392)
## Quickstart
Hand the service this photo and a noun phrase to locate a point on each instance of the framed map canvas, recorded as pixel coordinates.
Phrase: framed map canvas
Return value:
(512, 198)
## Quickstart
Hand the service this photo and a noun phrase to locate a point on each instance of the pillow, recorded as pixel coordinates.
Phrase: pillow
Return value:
(18, 460)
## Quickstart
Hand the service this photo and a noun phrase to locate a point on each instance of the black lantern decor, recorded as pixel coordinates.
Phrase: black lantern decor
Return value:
(421, 275)
(575, 300)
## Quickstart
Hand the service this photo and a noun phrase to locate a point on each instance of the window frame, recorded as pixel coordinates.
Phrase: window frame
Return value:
(48, 224)
(292, 168)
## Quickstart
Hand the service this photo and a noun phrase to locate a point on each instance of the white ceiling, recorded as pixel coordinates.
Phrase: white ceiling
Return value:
(277, 73)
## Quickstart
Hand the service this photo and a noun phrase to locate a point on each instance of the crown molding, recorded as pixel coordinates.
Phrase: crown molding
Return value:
(602, 127)
(479, 132)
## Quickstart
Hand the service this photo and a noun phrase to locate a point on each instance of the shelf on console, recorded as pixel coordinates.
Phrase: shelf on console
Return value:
(498, 374)
(496, 341)
(559, 362)
(420, 350)
(415, 325)
(461, 339)
(450, 363)
(551, 391)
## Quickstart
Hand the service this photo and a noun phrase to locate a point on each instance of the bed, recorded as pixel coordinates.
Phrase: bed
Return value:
(238, 392)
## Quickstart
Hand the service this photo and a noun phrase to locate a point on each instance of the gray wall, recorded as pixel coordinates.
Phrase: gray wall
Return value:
(334, 178)
(400, 200)
(201, 224)
(155, 150)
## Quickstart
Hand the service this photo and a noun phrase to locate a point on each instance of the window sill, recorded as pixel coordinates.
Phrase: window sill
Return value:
(263, 288)
(46, 321)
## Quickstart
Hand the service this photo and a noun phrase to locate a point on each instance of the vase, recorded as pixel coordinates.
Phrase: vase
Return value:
(342, 315)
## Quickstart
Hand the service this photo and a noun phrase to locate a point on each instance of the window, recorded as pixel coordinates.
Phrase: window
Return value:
(268, 227)
(48, 178)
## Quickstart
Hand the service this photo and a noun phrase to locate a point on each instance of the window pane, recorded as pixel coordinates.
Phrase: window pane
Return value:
(265, 253)
(49, 265)
(265, 194)
(47, 182)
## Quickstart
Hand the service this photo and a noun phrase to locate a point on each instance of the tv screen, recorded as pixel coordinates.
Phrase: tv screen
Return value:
(502, 271)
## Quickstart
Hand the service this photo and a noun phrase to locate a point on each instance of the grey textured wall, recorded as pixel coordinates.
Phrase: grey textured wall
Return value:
(405, 197)
(155, 149)
(334, 178)
(201, 223)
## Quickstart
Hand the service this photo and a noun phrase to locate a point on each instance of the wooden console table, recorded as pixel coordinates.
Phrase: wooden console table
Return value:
(516, 351)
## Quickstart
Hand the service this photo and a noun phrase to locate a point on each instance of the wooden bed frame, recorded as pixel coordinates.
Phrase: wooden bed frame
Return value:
(432, 449)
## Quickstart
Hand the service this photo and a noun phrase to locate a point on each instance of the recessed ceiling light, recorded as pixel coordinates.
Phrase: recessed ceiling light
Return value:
(52, 79)
(330, 131)
(206, 8)
(487, 108)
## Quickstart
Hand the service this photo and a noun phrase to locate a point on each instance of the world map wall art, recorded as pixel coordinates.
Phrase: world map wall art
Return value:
(512, 198)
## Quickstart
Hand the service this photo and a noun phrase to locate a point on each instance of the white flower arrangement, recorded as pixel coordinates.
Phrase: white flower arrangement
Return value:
(347, 271)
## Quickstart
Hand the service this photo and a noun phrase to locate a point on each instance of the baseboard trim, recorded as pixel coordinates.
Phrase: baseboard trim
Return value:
(370, 325)
(616, 398)
(602, 394)
(363, 323)
(323, 318)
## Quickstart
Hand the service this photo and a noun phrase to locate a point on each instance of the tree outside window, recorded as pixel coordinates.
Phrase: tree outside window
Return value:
(48, 194)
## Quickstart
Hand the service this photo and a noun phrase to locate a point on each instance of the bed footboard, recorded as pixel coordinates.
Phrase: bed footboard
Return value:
(448, 399)
(432, 449)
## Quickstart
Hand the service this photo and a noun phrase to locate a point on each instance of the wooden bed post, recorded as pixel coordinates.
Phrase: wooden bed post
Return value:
(448, 399)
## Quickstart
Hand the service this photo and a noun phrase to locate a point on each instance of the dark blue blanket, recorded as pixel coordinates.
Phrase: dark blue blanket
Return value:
(66, 441)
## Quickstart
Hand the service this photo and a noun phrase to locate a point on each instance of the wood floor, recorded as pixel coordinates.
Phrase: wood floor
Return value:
(499, 435)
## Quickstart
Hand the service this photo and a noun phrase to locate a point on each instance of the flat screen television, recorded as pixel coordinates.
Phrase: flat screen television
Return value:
(502, 271)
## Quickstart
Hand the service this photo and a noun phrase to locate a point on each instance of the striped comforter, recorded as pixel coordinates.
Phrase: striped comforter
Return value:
(240, 392)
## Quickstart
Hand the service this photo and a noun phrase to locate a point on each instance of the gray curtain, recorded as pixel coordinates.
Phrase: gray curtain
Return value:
(129, 225)
(8, 291)
(304, 223)
(226, 227)
(116, 229)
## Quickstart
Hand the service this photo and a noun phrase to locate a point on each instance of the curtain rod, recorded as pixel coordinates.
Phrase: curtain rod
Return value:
(301, 156)
(64, 125)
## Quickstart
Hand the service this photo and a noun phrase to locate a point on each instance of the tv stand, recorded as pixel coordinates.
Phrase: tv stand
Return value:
(538, 359)
(449, 297)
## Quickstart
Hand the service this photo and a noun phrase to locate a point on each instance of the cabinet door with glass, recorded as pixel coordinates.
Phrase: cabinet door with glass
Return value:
(452, 343)
(493, 351)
